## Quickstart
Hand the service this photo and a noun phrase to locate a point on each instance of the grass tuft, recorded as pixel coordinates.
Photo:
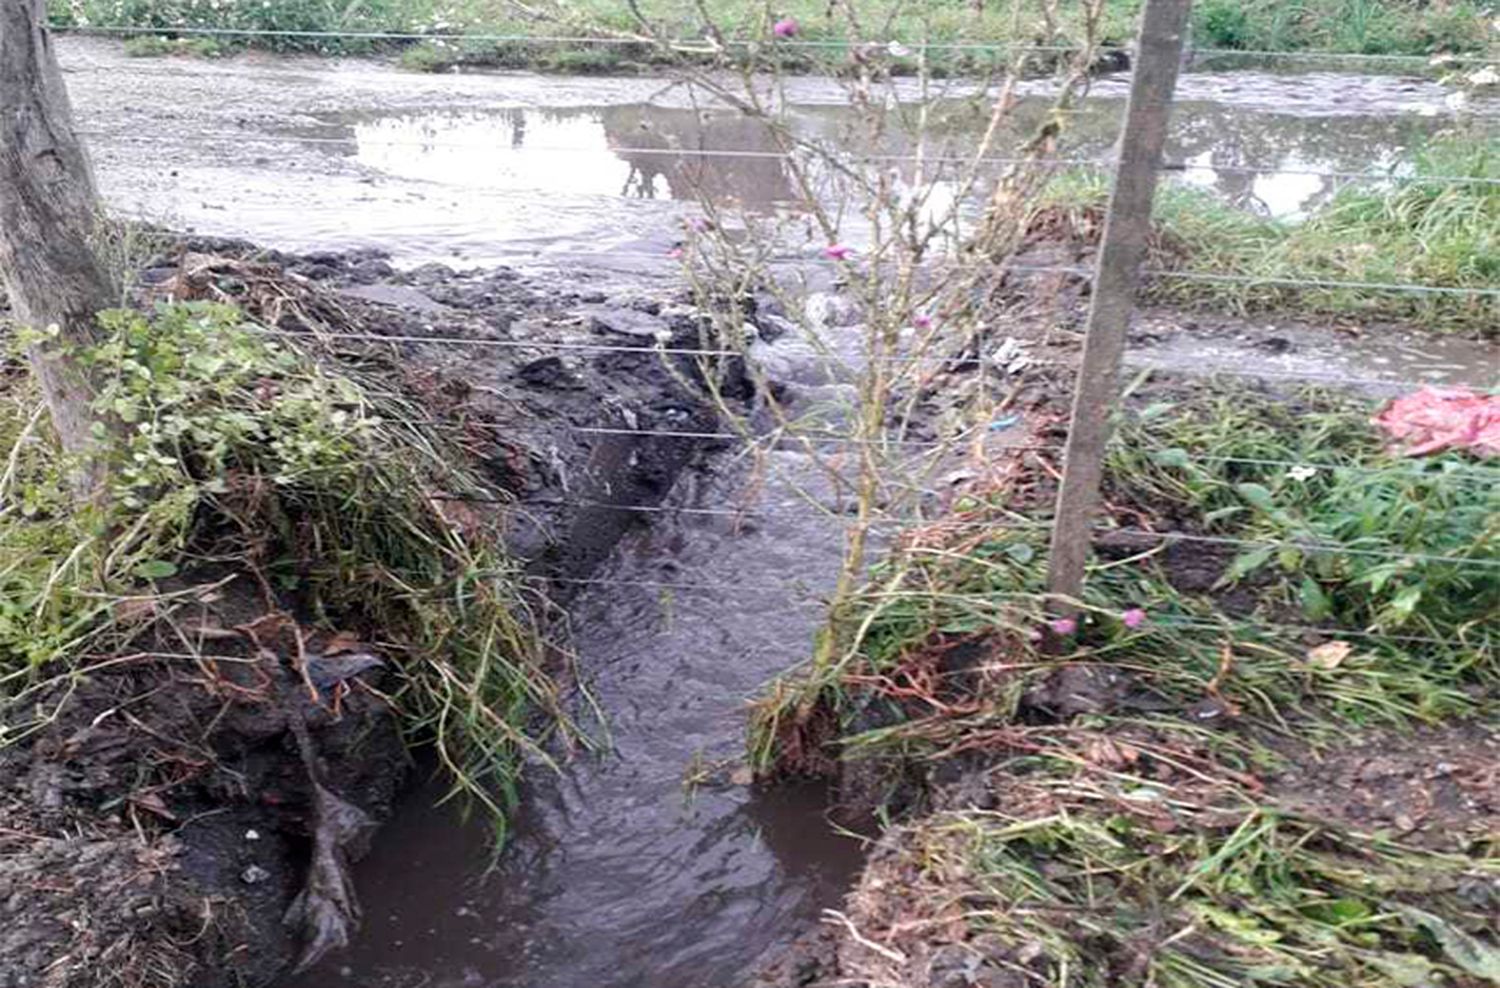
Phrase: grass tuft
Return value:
(946, 636)
(1132, 802)
(235, 450)
(1132, 883)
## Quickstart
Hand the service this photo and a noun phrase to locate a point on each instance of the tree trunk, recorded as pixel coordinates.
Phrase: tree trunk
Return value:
(48, 212)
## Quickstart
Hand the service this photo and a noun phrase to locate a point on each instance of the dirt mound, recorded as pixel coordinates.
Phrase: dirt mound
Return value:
(157, 821)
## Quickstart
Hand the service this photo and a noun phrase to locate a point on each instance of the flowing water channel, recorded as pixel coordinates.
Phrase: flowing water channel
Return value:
(643, 863)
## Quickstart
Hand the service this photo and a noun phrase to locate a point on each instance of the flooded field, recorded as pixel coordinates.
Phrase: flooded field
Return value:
(517, 168)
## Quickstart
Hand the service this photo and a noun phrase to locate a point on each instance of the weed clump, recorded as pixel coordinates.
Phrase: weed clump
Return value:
(428, 57)
(156, 46)
(1423, 531)
(1086, 881)
(1365, 27)
(1125, 799)
(241, 452)
(1297, 524)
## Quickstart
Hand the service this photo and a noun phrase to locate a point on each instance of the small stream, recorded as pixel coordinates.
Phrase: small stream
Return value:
(622, 873)
(651, 862)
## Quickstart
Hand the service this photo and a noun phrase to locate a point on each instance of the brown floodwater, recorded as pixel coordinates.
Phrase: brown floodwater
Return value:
(628, 869)
(517, 168)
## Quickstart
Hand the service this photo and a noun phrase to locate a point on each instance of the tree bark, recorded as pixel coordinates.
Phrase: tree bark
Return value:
(49, 211)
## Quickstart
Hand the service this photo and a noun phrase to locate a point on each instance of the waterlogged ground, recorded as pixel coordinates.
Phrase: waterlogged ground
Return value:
(649, 864)
(306, 154)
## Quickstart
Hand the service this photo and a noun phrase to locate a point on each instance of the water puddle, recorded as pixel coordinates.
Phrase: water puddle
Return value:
(1259, 159)
(488, 171)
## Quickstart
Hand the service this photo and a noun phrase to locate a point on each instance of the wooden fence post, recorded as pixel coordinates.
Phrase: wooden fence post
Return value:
(1126, 228)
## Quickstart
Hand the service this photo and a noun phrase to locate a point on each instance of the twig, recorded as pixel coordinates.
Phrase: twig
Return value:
(832, 916)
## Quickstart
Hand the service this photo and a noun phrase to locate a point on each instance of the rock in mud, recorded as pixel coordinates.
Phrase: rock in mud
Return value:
(630, 323)
(829, 310)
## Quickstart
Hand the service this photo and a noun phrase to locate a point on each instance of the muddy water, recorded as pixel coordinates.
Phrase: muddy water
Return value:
(648, 864)
(519, 168)
(1381, 362)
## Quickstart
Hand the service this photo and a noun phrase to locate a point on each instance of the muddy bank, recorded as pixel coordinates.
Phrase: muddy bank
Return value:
(160, 807)
(1435, 791)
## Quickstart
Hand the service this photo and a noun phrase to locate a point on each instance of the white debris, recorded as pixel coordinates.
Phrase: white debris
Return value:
(1011, 356)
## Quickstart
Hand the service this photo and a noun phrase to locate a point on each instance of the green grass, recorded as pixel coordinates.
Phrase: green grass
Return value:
(1370, 27)
(1145, 841)
(1416, 231)
(1200, 457)
(241, 451)
(1360, 26)
(1088, 887)
(978, 578)
(156, 46)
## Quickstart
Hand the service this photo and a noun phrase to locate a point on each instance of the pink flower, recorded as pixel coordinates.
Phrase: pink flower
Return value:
(1063, 626)
(1134, 617)
(787, 27)
(922, 321)
(836, 252)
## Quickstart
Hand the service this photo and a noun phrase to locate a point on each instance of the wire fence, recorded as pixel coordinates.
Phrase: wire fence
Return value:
(993, 444)
(818, 44)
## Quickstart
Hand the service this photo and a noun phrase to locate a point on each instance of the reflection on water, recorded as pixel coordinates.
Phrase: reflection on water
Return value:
(1258, 160)
(630, 151)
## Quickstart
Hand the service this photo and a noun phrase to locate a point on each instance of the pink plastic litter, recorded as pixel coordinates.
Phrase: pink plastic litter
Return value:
(1435, 419)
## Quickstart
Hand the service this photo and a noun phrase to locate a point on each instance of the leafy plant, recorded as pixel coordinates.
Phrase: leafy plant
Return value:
(1423, 536)
(1223, 24)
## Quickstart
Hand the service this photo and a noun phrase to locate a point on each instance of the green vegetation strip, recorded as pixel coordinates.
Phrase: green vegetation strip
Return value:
(233, 450)
(1418, 228)
(1373, 27)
